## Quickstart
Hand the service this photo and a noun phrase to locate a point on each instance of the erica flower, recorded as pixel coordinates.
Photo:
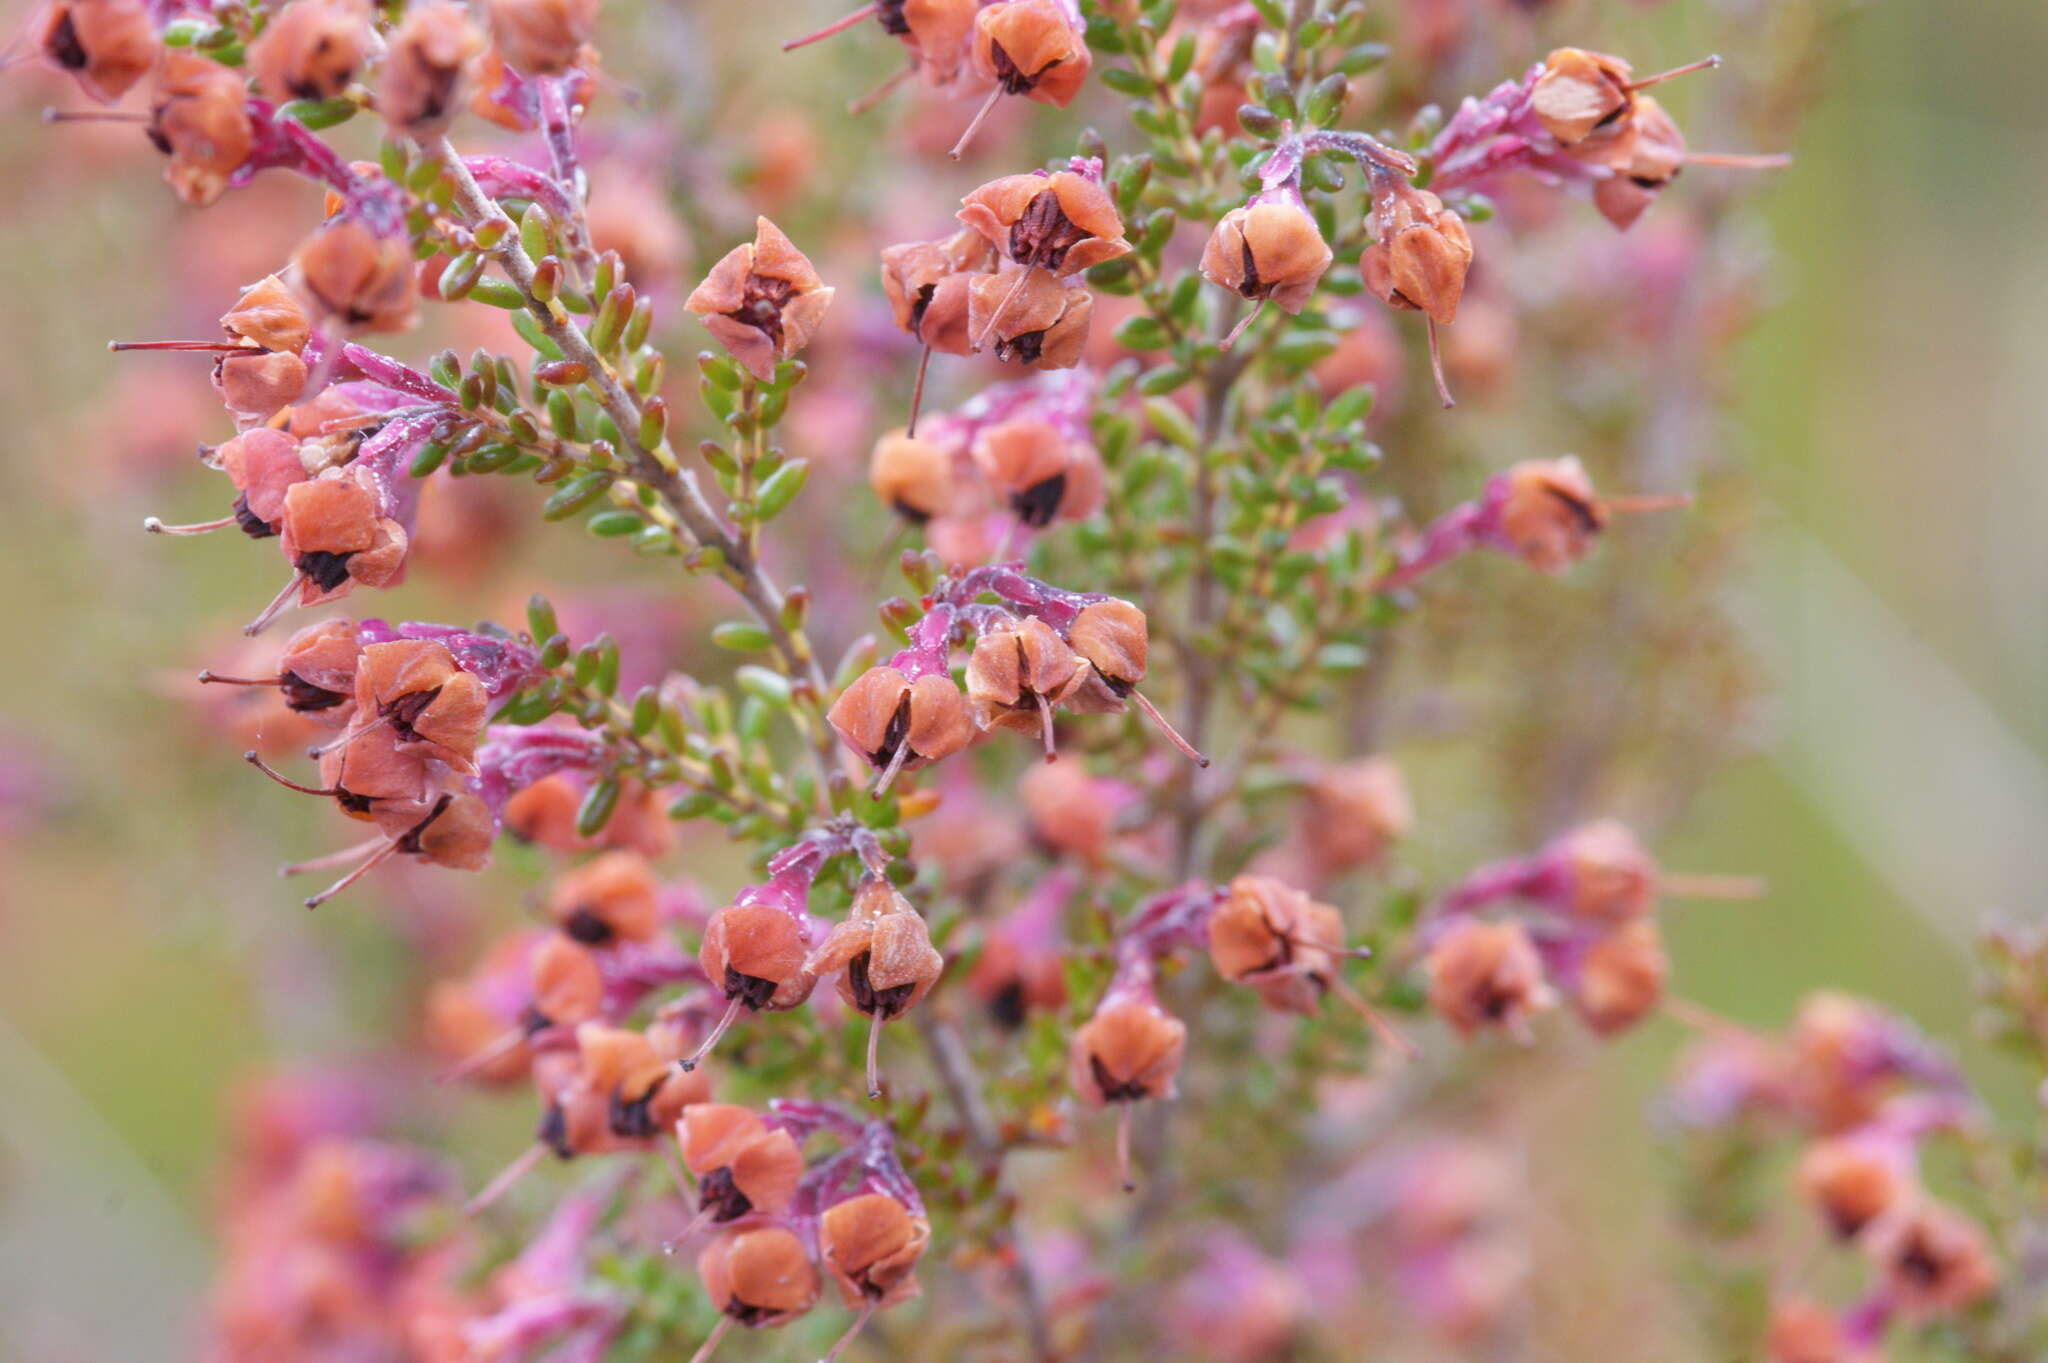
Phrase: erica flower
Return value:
(897, 724)
(1802, 1331)
(645, 1094)
(1130, 1050)
(912, 477)
(1111, 636)
(741, 1165)
(1039, 471)
(315, 673)
(335, 535)
(1578, 93)
(926, 285)
(199, 118)
(1852, 1180)
(1619, 978)
(1030, 316)
(1487, 974)
(611, 898)
(420, 84)
(433, 706)
(886, 953)
(1268, 249)
(1935, 1260)
(1063, 222)
(760, 1276)
(1018, 674)
(311, 49)
(1033, 48)
(1355, 810)
(871, 1244)
(1543, 511)
(1020, 969)
(540, 37)
(362, 278)
(763, 301)
(106, 45)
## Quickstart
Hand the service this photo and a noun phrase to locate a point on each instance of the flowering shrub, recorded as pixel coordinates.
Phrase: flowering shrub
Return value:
(1175, 538)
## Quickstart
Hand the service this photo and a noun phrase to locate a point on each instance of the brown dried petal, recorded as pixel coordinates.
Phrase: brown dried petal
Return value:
(1112, 636)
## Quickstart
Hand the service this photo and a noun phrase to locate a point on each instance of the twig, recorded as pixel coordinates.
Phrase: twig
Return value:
(941, 1036)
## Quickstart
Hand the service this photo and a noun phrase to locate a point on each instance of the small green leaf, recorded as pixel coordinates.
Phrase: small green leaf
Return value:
(742, 636)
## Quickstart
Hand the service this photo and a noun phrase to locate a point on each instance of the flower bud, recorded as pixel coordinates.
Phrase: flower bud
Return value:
(760, 1277)
(871, 1245)
(106, 45)
(763, 301)
(363, 279)
(1620, 979)
(310, 49)
(912, 477)
(610, 899)
(1031, 318)
(1271, 250)
(1421, 256)
(1355, 811)
(1487, 974)
(1063, 223)
(199, 118)
(1031, 48)
(420, 86)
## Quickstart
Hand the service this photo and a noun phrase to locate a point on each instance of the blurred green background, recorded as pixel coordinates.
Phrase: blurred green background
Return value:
(1893, 414)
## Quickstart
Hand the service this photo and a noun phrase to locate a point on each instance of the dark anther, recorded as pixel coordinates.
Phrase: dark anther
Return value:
(751, 990)
(586, 927)
(325, 570)
(1038, 504)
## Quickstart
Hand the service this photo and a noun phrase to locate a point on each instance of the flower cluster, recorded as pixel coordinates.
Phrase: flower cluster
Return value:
(1231, 542)
(1862, 1093)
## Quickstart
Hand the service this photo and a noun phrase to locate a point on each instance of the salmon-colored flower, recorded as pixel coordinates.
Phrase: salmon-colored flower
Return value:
(762, 300)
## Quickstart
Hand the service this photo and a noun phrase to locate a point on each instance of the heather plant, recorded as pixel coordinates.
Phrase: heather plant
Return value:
(844, 1015)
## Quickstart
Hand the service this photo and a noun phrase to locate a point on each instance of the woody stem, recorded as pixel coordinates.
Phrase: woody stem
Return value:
(1218, 377)
(698, 525)
(964, 1090)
